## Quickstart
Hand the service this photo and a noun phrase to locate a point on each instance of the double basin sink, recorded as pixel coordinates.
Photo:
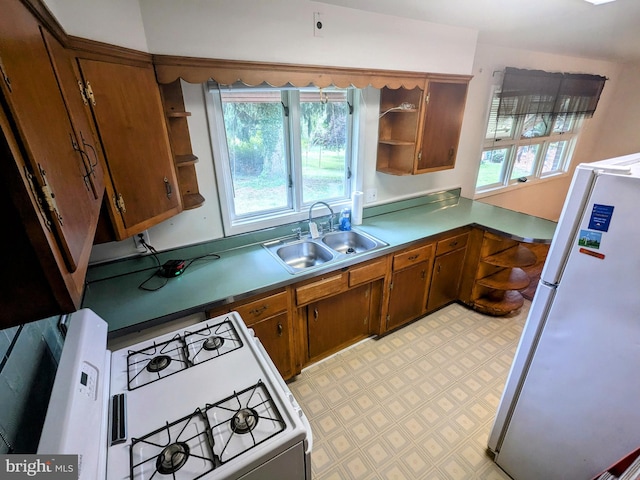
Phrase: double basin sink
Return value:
(300, 255)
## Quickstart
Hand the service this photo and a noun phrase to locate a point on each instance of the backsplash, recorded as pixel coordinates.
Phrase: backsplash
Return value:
(29, 356)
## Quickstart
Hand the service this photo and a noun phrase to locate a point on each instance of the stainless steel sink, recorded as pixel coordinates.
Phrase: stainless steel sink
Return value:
(304, 254)
(349, 242)
(301, 255)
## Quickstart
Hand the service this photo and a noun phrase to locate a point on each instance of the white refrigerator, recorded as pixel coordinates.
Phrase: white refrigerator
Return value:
(571, 403)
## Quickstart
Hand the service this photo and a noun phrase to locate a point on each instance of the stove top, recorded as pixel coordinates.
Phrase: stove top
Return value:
(204, 440)
(161, 359)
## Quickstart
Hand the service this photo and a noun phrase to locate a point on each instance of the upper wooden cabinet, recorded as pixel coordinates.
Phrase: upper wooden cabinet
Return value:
(124, 100)
(51, 181)
(419, 129)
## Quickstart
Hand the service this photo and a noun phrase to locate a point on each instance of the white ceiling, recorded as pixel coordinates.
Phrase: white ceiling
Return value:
(572, 27)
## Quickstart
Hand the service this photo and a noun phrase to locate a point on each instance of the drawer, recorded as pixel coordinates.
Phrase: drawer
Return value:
(266, 307)
(411, 257)
(452, 243)
(367, 273)
(320, 289)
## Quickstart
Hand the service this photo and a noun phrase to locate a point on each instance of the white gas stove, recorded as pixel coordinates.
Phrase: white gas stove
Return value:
(202, 402)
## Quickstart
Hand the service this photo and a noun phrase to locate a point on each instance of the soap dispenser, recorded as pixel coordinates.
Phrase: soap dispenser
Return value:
(345, 219)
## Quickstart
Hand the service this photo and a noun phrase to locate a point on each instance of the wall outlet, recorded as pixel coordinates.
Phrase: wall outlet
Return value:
(370, 195)
(139, 245)
(318, 24)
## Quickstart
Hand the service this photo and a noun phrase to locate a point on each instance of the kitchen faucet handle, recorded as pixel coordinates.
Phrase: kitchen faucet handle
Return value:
(298, 232)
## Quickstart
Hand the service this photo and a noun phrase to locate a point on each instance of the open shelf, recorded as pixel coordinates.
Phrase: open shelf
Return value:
(507, 279)
(499, 303)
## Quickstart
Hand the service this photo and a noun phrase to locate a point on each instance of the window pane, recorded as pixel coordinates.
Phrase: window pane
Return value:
(554, 159)
(536, 125)
(491, 166)
(564, 123)
(525, 161)
(499, 127)
(323, 132)
(255, 137)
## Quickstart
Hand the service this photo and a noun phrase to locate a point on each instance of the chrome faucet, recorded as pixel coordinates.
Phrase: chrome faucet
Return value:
(330, 216)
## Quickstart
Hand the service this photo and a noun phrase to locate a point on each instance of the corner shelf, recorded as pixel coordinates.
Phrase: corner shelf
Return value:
(183, 158)
(501, 275)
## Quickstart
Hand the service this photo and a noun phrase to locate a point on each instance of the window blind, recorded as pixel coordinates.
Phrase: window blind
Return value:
(526, 92)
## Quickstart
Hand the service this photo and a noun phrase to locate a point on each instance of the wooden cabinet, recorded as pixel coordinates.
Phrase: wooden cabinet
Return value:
(338, 321)
(500, 275)
(410, 279)
(447, 271)
(338, 309)
(124, 100)
(51, 189)
(419, 129)
(270, 318)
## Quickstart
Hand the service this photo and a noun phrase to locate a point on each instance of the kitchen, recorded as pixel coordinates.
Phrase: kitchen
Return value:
(461, 55)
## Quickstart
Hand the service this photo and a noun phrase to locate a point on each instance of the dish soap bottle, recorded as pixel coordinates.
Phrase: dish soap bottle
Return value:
(345, 219)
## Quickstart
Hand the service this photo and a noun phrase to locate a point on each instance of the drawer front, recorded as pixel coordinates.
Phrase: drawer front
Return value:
(367, 273)
(411, 257)
(266, 307)
(320, 289)
(452, 243)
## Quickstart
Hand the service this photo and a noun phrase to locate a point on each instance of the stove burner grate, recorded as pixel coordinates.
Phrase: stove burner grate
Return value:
(243, 421)
(160, 360)
(181, 449)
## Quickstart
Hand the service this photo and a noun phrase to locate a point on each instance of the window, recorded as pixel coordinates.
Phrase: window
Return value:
(279, 150)
(533, 125)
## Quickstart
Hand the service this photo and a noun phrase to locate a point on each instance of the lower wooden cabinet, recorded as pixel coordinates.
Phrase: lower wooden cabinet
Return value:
(447, 271)
(274, 333)
(410, 280)
(338, 321)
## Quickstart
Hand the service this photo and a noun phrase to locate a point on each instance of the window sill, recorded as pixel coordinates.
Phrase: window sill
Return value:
(518, 185)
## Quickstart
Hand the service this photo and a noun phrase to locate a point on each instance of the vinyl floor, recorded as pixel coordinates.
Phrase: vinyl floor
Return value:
(415, 404)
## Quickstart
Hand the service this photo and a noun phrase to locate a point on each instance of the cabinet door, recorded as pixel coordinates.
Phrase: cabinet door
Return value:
(131, 124)
(408, 294)
(87, 144)
(338, 321)
(442, 124)
(37, 110)
(445, 280)
(274, 334)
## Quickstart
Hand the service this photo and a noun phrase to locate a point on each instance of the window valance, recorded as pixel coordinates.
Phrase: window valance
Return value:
(527, 92)
(228, 72)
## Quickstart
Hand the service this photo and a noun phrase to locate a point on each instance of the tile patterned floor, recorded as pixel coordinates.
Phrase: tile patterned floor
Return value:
(415, 404)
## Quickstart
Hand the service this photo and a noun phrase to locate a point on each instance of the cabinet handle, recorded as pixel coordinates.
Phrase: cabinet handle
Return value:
(451, 152)
(280, 329)
(453, 244)
(423, 274)
(413, 257)
(315, 314)
(258, 311)
(439, 267)
(167, 186)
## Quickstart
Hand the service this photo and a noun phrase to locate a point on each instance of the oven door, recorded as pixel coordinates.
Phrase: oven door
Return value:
(308, 443)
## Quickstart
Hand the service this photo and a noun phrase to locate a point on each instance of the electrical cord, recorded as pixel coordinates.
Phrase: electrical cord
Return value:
(402, 106)
(154, 253)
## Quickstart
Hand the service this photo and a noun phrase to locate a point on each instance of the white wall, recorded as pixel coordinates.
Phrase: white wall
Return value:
(282, 31)
(118, 22)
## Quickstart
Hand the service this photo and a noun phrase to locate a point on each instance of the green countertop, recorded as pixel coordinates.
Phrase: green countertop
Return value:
(113, 293)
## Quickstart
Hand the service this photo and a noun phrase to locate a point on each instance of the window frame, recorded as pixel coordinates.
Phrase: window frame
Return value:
(515, 140)
(296, 210)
